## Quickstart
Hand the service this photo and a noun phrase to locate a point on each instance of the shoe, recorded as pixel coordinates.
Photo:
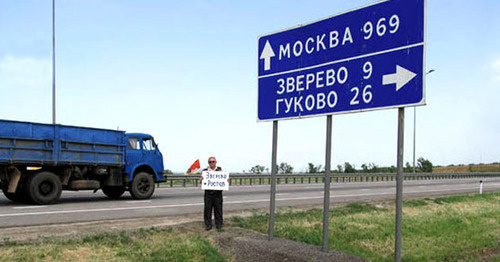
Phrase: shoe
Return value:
(208, 228)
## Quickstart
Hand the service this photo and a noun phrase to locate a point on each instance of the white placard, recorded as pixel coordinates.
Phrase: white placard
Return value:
(215, 180)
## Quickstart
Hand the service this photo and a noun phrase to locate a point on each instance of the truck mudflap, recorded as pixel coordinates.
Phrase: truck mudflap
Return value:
(14, 177)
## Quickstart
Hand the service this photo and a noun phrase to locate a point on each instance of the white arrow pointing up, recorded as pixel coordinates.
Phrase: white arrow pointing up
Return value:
(400, 78)
(267, 53)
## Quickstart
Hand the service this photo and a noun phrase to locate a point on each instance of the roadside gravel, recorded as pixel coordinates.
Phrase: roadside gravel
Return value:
(245, 245)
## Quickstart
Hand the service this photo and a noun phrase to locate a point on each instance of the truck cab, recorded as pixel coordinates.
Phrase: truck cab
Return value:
(142, 155)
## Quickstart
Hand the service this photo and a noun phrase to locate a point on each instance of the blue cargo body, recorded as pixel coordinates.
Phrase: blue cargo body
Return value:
(38, 161)
(45, 144)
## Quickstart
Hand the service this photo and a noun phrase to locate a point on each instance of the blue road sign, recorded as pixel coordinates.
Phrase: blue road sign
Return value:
(366, 59)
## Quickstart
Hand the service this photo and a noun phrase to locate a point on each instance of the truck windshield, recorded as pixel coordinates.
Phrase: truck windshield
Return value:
(148, 144)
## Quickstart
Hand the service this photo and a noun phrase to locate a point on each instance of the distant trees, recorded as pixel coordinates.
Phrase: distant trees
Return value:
(257, 169)
(424, 165)
(314, 169)
(370, 168)
(285, 168)
(391, 169)
(407, 168)
(348, 168)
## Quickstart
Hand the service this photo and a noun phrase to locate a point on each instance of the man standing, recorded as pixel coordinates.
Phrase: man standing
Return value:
(213, 199)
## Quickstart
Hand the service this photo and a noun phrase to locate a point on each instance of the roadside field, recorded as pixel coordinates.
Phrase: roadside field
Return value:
(458, 228)
(441, 229)
(467, 168)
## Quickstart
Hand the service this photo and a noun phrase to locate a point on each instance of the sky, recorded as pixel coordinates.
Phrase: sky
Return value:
(186, 73)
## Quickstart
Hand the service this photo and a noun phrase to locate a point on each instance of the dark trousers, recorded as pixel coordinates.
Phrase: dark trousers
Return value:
(213, 200)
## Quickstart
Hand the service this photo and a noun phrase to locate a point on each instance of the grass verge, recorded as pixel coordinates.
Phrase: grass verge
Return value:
(144, 245)
(459, 228)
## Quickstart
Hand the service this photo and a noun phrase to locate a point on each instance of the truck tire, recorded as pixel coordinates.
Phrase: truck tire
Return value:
(44, 188)
(15, 197)
(113, 192)
(20, 196)
(143, 186)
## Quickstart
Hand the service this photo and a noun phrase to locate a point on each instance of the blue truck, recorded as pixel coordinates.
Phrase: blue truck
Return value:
(38, 161)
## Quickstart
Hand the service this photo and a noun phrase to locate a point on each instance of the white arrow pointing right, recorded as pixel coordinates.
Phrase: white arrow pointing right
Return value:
(400, 78)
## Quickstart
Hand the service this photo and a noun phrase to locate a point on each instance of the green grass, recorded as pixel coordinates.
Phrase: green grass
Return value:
(460, 228)
(144, 245)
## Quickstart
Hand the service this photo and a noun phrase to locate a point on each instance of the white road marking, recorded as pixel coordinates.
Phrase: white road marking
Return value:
(29, 207)
(314, 186)
(94, 210)
(201, 204)
(138, 201)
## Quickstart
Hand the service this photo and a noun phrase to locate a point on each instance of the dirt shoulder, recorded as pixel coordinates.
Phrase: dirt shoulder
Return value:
(245, 245)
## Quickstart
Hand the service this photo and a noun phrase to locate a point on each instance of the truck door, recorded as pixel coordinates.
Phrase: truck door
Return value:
(151, 154)
(134, 153)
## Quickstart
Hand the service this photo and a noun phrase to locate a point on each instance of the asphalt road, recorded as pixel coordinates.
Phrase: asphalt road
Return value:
(84, 206)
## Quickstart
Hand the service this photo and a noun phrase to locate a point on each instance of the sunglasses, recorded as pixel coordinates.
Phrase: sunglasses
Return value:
(212, 161)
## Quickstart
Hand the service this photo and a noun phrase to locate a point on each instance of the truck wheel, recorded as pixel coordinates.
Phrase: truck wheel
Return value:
(113, 192)
(19, 196)
(143, 186)
(15, 197)
(44, 188)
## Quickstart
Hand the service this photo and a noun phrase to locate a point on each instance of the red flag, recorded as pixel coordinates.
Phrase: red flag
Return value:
(194, 168)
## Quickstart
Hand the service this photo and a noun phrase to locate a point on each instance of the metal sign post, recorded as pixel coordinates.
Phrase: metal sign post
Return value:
(326, 201)
(53, 62)
(399, 183)
(274, 170)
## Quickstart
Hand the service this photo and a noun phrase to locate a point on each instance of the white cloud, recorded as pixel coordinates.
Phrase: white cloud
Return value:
(495, 65)
(23, 72)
